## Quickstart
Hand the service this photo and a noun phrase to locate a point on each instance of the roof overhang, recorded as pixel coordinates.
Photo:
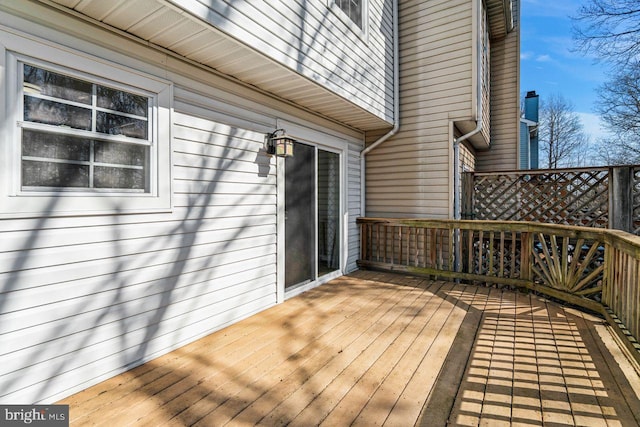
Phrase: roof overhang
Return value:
(501, 19)
(166, 25)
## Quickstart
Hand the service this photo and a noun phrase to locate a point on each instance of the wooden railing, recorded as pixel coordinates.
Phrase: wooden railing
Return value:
(596, 269)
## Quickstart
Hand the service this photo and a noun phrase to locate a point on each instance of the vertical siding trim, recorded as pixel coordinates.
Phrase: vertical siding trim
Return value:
(280, 217)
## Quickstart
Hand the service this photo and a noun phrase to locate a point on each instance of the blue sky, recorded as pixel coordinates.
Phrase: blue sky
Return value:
(548, 65)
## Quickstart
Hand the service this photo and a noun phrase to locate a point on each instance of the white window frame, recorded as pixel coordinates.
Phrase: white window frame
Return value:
(339, 13)
(16, 49)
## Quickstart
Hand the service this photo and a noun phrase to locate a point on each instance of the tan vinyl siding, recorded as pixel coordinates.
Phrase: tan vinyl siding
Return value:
(505, 111)
(485, 73)
(467, 158)
(409, 175)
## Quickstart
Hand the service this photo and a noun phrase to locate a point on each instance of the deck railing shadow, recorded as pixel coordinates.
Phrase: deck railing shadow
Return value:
(521, 358)
(594, 269)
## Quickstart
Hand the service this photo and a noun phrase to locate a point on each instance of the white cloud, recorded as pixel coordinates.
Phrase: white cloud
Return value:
(543, 58)
(592, 126)
(526, 55)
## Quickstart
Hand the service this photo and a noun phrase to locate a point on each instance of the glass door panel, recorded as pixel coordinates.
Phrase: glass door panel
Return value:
(300, 196)
(328, 212)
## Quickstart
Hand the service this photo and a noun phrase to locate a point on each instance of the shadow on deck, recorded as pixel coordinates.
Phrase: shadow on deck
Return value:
(377, 348)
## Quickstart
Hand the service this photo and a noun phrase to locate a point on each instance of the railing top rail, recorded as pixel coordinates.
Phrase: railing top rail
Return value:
(546, 171)
(627, 242)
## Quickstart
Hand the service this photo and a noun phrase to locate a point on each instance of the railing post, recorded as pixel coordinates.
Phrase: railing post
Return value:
(467, 195)
(455, 258)
(363, 241)
(607, 274)
(621, 198)
(526, 256)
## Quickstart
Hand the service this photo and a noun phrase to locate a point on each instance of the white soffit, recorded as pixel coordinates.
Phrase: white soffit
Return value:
(500, 17)
(165, 25)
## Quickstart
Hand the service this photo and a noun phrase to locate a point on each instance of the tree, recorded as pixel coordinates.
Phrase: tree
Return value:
(617, 151)
(619, 107)
(561, 134)
(609, 29)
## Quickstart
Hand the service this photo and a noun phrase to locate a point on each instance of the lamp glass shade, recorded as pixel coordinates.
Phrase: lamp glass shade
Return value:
(284, 146)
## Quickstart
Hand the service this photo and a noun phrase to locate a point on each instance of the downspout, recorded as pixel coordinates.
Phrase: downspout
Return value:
(396, 112)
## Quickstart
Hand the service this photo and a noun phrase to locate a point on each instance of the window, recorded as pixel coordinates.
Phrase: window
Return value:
(83, 135)
(79, 135)
(353, 9)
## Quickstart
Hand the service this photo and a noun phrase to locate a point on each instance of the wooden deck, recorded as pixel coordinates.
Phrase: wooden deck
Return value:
(375, 348)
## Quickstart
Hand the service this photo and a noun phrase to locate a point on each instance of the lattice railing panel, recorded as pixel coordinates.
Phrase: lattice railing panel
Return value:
(569, 197)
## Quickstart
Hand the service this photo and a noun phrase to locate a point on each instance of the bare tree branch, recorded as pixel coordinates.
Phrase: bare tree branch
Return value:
(609, 29)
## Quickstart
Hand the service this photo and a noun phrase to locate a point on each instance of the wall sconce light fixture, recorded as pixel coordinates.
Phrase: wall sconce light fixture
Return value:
(279, 143)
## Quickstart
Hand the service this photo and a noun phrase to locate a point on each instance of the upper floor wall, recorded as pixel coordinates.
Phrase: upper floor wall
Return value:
(453, 53)
(505, 100)
(318, 54)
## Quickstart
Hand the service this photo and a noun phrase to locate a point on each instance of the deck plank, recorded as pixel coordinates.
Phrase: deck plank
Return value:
(261, 371)
(377, 348)
(377, 337)
(371, 368)
(359, 398)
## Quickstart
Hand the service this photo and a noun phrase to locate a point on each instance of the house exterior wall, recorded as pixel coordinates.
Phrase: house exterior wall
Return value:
(317, 40)
(306, 51)
(84, 297)
(409, 175)
(505, 101)
(525, 146)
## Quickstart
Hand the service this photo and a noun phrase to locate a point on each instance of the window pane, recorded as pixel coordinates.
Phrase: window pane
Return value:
(353, 9)
(44, 82)
(121, 154)
(51, 146)
(356, 12)
(106, 177)
(124, 102)
(113, 124)
(55, 113)
(45, 174)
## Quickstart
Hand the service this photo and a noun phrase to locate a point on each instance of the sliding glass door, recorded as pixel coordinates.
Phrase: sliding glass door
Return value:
(312, 214)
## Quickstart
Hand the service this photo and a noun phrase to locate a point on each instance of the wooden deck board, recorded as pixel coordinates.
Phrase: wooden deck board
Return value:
(382, 349)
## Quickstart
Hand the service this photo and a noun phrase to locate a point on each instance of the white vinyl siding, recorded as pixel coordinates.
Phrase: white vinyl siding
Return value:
(256, 41)
(485, 74)
(304, 36)
(411, 174)
(82, 301)
(353, 205)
